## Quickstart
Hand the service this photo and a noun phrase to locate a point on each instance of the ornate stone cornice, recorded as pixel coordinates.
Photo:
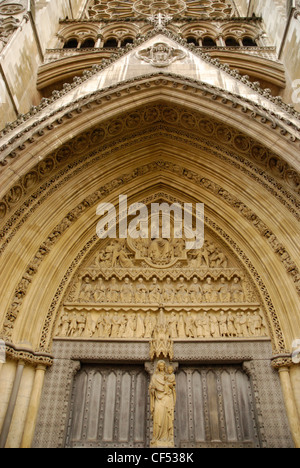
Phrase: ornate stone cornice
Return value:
(18, 353)
(188, 19)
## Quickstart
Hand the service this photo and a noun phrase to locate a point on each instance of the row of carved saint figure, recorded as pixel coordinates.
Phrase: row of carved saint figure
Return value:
(167, 292)
(180, 325)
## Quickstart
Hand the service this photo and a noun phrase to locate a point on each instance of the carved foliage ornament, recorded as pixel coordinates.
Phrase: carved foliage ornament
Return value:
(160, 55)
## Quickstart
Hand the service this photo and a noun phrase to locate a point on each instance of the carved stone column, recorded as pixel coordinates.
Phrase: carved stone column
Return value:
(33, 407)
(11, 404)
(283, 364)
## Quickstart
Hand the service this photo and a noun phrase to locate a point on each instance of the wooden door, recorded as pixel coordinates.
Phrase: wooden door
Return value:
(215, 408)
(109, 407)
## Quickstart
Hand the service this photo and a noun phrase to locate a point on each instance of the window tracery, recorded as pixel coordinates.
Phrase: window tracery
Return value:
(100, 9)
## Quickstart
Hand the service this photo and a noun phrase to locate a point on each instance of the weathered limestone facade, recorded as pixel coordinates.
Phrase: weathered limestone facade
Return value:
(164, 102)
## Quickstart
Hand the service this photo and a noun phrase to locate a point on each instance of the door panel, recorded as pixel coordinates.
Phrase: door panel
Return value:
(109, 407)
(215, 408)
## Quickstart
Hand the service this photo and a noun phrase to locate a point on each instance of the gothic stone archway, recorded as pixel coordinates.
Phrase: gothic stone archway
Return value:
(155, 148)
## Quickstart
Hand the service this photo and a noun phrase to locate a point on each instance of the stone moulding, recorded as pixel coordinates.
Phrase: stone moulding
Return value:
(233, 140)
(263, 229)
(257, 112)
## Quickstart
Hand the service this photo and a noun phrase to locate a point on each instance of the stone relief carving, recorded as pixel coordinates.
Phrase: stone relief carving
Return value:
(168, 291)
(233, 323)
(161, 343)
(124, 292)
(161, 55)
(20, 292)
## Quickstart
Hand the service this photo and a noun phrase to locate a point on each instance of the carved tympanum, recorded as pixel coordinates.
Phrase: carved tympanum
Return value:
(154, 289)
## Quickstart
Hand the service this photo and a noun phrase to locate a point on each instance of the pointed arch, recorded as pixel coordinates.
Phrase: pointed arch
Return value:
(148, 131)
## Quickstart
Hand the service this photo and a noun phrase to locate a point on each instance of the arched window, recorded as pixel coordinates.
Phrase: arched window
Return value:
(208, 42)
(231, 42)
(110, 43)
(192, 40)
(71, 44)
(127, 40)
(249, 42)
(88, 44)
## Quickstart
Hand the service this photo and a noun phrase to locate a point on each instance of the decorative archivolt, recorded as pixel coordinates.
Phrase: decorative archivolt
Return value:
(158, 119)
(209, 129)
(80, 145)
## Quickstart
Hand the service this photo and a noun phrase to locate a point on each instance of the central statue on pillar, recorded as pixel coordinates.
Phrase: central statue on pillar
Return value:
(162, 386)
(162, 404)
